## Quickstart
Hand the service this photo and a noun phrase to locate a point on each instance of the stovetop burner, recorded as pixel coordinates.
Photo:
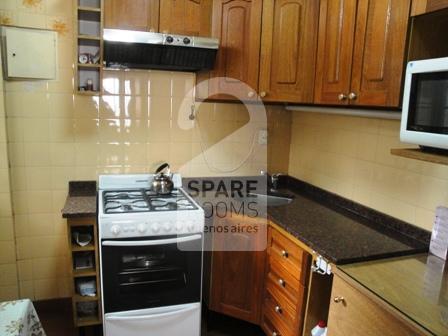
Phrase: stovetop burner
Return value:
(144, 200)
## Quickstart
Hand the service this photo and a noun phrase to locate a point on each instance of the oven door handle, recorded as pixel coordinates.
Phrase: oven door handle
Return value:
(150, 316)
(155, 242)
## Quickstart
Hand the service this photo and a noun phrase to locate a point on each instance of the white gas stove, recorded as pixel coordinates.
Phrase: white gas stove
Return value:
(128, 208)
(151, 258)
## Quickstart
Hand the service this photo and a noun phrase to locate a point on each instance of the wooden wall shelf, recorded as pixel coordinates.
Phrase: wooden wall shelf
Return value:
(418, 154)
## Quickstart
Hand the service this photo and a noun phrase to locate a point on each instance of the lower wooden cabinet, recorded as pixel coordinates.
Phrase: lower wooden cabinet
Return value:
(353, 312)
(286, 280)
(237, 276)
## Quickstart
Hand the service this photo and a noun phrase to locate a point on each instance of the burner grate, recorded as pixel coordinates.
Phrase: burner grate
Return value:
(144, 200)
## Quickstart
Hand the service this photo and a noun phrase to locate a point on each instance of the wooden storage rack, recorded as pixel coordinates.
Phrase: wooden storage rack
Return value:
(94, 272)
(89, 18)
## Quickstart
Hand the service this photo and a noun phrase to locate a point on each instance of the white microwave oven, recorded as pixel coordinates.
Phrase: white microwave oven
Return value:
(424, 119)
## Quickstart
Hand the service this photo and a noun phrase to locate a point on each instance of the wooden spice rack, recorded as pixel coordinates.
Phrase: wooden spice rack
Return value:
(89, 18)
(89, 224)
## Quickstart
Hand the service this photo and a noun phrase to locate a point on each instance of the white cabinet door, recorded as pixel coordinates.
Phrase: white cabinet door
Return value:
(184, 320)
(29, 53)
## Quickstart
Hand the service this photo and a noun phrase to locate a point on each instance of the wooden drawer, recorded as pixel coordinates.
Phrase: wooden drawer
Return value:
(271, 326)
(275, 303)
(289, 255)
(284, 281)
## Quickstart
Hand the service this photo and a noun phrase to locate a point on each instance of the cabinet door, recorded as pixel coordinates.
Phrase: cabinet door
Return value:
(132, 14)
(379, 54)
(335, 51)
(426, 6)
(288, 50)
(237, 24)
(186, 17)
(357, 314)
(237, 276)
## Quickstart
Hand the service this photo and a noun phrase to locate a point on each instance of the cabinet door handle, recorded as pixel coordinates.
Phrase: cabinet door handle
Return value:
(342, 97)
(282, 282)
(278, 309)
(339, 299)
(352, 96)
(285, 254)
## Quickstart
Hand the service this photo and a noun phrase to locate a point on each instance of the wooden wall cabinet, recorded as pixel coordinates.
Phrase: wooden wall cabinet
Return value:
(140, 15)
(270, 46)
(288, 50)
(354, 312)
(426, 6)
(361, 52)
(237, 276)
(186, 17)
(237, 24)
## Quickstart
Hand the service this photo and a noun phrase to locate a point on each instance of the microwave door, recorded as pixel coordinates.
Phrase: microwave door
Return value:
(428, 108)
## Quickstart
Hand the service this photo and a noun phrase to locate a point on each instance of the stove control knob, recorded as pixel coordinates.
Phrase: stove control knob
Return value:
(190, 226)
(141, 228)
(155, 227)
(167, 227)
(115, 229)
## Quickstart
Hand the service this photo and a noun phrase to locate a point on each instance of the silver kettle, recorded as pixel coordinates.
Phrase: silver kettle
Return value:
(162, 183)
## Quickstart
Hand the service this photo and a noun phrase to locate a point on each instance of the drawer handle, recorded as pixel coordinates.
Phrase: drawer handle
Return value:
(285, 254)
(278, 309)
(339, 299)
(274, 333)
(282, 282)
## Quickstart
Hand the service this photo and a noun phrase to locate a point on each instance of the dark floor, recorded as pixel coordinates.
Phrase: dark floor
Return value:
(56, 318)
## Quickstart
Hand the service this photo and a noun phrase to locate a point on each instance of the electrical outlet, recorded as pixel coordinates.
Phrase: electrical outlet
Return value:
(263, 137)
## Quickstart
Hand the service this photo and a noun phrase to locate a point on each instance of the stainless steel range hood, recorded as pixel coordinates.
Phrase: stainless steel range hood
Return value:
(144, 50)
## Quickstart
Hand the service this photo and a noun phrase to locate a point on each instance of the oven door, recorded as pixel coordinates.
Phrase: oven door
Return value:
(182, 320)
(151, 272)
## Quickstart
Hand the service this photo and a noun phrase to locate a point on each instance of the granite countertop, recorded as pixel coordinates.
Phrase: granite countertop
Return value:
(81, 200)
(340, 236)
(415, 285)
(340, 230)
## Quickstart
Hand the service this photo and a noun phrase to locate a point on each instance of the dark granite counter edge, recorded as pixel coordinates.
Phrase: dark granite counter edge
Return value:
(82, 188)
(391, 224)
(81, 201)
(343, 261)
(395, 228)
(341, 204)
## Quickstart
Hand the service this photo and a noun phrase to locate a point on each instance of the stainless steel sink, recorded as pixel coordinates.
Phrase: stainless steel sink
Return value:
(271, 200)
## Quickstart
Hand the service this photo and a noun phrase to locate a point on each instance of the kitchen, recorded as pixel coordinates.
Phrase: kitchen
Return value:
(314, 90)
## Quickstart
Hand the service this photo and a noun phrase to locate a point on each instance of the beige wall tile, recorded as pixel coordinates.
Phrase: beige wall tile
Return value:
(25, 269)
(8, 293)
(27, 289)
(8, 275)
(7, 252)
(5, 205)
(136, 83)
(351, 156)
(45, 289)
(6, 229)
(4, 180)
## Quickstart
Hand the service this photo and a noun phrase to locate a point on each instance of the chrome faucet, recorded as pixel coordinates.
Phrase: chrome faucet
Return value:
(272, 180)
